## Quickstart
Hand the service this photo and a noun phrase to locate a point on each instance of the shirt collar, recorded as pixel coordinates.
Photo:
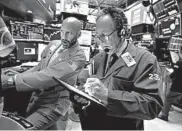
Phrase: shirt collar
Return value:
(127, 46)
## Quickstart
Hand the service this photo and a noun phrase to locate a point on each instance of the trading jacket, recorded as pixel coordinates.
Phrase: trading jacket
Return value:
(133, 92)
(47, 92)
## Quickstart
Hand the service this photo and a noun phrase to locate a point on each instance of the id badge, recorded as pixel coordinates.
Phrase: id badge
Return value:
(53, 47)
(128, 59)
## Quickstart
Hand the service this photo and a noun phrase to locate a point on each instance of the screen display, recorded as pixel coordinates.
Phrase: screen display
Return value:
(160, 10)
(170, 26)
(175, 47)
(27, 30)
(27, 51)
(158, 7)
(86, 51)
(52, 33)
(161, 51)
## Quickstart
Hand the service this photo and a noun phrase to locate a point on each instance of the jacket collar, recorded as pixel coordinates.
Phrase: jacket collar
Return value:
(66, 54)
(119, 63)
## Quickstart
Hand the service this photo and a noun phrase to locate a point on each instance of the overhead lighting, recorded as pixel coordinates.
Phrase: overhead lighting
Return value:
(29, 11)
(44, 1)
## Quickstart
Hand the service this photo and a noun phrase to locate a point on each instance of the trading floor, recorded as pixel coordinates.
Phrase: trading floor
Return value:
(91, 65)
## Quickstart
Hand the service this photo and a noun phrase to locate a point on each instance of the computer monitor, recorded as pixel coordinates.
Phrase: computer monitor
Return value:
(51, 33)
(27, 51)
(175, 48)
(26, 30)
(86, 49)
(161, 51)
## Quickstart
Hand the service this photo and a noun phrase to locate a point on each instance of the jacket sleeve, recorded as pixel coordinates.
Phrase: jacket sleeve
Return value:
(144, 101)
(42, 79)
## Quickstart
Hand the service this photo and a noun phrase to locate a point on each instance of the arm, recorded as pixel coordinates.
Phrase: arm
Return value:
(144, 101)
(43, 79)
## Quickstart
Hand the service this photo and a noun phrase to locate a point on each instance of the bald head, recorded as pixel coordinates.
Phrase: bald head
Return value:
(70, 31)
(73, 24)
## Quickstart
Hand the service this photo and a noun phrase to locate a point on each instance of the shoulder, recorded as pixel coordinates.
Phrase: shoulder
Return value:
(145, 55)
(179, 63)
(80, 53)
(54, 42)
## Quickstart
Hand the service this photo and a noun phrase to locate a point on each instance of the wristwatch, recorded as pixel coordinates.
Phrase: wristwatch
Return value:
(11, 81)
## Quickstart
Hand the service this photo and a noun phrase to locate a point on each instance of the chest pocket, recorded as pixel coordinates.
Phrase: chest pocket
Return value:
(119, 83)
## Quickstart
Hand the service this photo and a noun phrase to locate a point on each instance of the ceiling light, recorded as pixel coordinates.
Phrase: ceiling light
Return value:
(29, 11)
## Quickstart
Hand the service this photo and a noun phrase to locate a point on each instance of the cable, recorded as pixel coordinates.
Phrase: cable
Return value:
(98, 6)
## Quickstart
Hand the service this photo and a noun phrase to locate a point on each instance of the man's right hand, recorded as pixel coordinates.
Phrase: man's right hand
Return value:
(79, 103)
(80, 100)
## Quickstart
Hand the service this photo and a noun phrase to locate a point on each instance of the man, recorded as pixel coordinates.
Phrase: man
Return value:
(63, 59)
(174, 95)
(7, 45)
(128, 84)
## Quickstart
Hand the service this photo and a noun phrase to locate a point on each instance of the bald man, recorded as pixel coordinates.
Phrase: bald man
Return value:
(63, 59)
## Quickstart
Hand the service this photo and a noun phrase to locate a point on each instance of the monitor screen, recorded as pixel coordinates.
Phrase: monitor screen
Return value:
(27, 30)
(161, 50)
(85, 38)
(86, 49)
(158, 7)
(52, 33)
(27, 51)
(175, 47)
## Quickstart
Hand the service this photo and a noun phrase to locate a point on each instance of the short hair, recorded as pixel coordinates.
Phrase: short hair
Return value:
(117, 15)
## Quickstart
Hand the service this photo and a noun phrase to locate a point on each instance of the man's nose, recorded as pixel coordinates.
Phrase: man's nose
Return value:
(63, 35)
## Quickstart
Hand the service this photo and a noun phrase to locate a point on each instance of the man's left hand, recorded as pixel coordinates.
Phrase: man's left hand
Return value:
(97, 89)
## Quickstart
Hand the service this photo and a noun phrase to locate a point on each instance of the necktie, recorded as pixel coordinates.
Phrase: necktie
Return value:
(113, 59)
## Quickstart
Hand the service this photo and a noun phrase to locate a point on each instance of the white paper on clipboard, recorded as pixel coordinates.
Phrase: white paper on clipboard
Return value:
(79, 92)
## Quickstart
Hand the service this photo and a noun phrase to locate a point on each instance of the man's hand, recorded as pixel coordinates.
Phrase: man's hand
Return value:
(97, 89)
(80, 100)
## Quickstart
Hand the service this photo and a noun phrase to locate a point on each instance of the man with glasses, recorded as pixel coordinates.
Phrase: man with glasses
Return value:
(126, 79)
(63, 59)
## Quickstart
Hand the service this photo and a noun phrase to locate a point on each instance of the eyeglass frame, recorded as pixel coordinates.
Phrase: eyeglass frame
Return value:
(104, 36)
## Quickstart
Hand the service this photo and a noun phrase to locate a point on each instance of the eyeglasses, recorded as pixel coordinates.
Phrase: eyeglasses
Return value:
(102, 37)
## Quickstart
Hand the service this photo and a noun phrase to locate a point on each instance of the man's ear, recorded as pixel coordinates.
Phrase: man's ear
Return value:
(122, 32)
(79, 34)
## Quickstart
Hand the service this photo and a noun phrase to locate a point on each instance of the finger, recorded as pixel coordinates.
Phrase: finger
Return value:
(90, 80)
(82, 100)
(86, 85)
(88, 88)
(93, 83)
(76, 97)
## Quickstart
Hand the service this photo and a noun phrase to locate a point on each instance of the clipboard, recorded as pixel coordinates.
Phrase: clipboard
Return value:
(78, 92)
